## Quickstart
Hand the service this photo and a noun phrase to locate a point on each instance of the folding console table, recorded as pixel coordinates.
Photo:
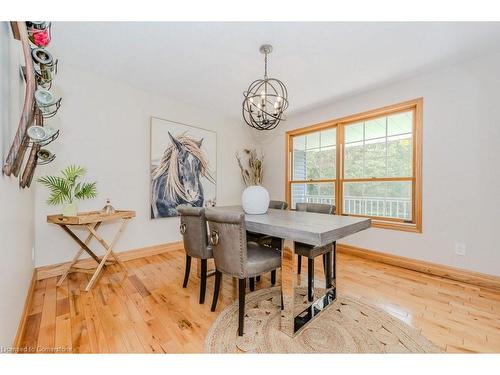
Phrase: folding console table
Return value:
(91, 221)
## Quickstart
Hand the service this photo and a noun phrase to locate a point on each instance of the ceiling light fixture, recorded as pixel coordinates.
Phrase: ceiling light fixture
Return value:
(265, 100)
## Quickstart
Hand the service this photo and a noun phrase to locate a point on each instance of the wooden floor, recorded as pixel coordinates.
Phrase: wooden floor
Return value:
(149, 311)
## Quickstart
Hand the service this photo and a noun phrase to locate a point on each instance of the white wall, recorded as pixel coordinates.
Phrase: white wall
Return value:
(461, 159)
(105, 126)
(16, 205)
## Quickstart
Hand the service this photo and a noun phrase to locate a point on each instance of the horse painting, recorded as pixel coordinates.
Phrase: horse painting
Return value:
(177, 178)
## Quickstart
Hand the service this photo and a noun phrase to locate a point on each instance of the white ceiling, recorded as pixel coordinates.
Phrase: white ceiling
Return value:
(210, 64)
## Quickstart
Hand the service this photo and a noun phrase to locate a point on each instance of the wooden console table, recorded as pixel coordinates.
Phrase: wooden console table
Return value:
(91, 221)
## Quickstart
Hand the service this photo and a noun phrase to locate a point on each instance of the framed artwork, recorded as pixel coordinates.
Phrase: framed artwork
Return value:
(183, 167)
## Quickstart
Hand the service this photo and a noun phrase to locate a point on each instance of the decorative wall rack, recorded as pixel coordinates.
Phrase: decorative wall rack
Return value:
(39, 103)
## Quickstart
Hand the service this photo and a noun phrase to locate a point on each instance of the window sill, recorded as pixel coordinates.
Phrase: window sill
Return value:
(405, 227)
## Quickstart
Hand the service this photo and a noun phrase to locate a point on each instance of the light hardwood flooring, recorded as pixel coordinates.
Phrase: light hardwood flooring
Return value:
(148, 311)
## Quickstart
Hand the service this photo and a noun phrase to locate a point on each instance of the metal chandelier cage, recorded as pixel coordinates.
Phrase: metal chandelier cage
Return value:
(265, 100)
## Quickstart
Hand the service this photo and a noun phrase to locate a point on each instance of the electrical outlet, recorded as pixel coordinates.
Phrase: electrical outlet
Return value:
(460, 248)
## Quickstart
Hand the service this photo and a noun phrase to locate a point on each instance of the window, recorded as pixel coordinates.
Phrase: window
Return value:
(367, 165)
(314, 159)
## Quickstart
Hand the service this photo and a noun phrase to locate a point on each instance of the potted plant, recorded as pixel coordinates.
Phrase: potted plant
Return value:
(255, 198)
(65, 189)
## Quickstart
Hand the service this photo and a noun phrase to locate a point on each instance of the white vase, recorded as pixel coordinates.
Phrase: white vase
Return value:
(70, 209)
(255, 200)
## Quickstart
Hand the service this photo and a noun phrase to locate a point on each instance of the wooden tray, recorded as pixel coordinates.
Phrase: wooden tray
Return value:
(89, 217)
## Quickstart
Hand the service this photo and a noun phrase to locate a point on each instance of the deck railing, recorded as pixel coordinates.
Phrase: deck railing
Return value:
(370, 206)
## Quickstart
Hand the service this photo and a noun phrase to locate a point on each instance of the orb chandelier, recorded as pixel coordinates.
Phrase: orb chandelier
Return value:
(265, 100)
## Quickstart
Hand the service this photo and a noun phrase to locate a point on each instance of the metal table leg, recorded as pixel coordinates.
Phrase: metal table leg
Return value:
(297, 312)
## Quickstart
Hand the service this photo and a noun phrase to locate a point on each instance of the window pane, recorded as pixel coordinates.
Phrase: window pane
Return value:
(353, 133)
(384, 149)
(375, 128)
(327, 162)
(299, 157)
(353, 163)
(400, 123)
(315, 155)
(375, 158)
(328, 154)
(328, 137)
(299, 143)
(312, 141)
(400, 156)
(312, 164)
(385, 199)
(313, 193)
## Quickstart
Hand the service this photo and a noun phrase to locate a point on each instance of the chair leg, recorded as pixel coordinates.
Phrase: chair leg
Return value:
(252, 283)
(186, 272)
(299, 264)
(218, 278)
(203, 283)
(273, 277)
(257, 278)
(310, 279)
(241, 307)
(324, 264)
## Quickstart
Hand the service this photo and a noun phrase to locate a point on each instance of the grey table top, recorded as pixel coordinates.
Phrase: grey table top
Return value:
(307, 227)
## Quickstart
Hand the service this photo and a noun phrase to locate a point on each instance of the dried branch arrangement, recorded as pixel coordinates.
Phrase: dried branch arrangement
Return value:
(252, 175)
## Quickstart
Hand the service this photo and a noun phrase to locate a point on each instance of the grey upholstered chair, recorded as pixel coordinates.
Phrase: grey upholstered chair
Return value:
(236, 257)
(278, 205)
(193, 228)
(269, 241)
(312, 252)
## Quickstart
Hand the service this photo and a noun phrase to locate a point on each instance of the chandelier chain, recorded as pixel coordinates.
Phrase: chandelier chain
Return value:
(265, 65)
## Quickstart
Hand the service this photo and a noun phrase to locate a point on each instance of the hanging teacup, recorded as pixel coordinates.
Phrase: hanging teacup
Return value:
(39, 32)
(42, 135)
(37, 133)
(47, 102)
(45, 66)
(45, 156)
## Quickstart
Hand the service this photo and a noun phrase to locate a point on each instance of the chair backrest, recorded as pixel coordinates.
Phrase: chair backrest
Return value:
(193, 228)
(320, 208)
(227, 235)
(278, 205)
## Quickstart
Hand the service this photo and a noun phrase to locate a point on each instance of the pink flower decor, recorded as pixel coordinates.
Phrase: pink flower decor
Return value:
(41, 38)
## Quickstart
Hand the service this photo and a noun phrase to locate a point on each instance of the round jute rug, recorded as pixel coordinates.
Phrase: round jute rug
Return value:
(348, 326)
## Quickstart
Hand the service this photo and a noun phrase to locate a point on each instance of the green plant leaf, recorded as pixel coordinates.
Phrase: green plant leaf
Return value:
(72, 172)
(64, 189)
(86, 190)
(59, 188)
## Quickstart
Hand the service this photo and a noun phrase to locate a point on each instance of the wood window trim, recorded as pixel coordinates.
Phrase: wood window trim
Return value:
(386, 223)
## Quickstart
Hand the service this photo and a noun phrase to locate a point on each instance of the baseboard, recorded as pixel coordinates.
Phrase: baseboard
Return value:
(58, 269)
(24, 316)
(456, 274)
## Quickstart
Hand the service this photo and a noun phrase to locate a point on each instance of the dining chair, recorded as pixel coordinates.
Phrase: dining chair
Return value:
(278, 205)
(269, 241)
(311, 252)
(235, 256)
(257, 237)
(193, 228)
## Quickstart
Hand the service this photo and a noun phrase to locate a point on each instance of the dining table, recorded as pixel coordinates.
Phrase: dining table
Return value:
(310, 228)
